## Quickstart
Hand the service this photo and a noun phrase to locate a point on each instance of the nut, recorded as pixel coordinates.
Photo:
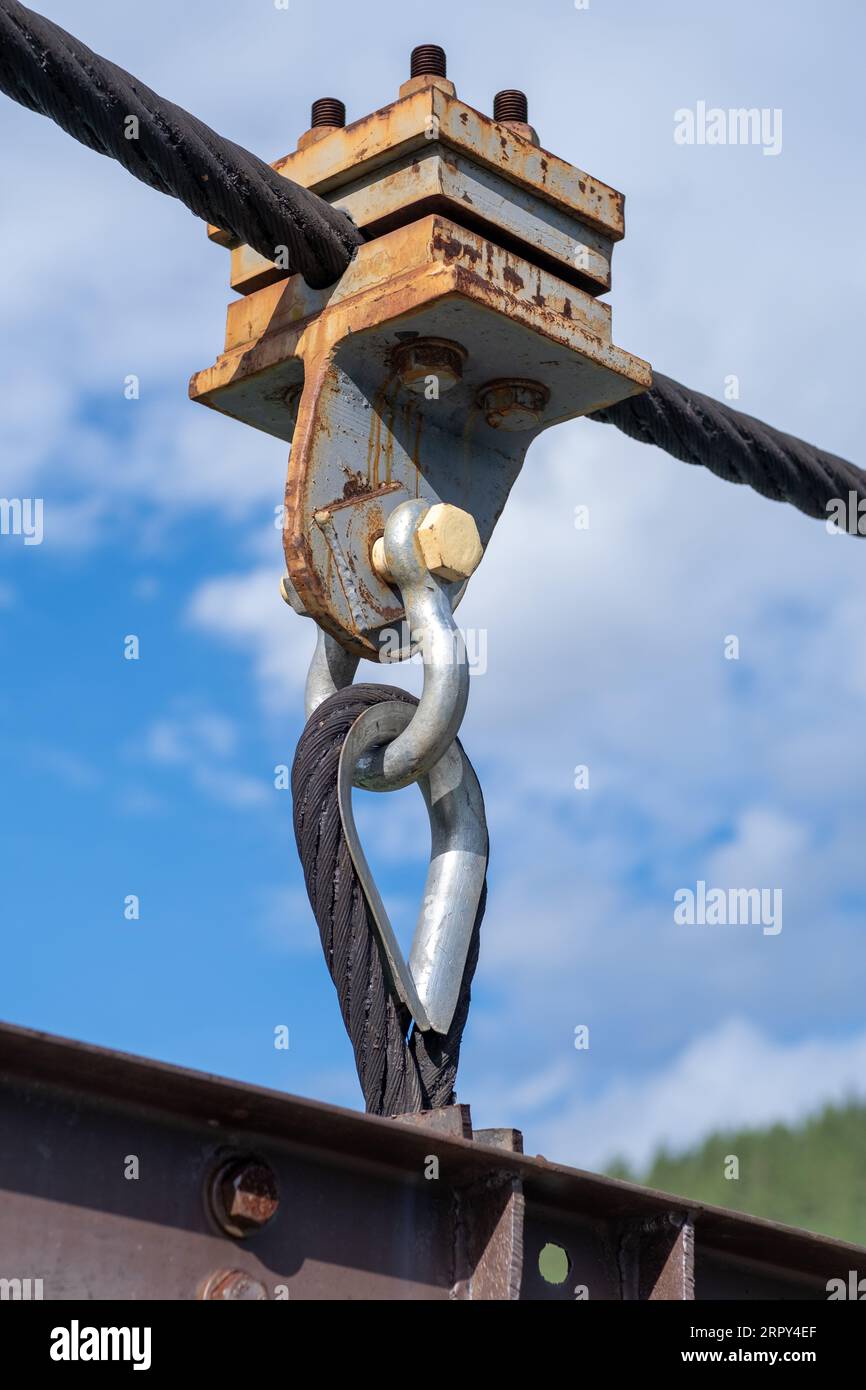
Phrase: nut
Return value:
(233, 1284)
(418, 361)
(244, 1196)
(513, 405)
(449, 542)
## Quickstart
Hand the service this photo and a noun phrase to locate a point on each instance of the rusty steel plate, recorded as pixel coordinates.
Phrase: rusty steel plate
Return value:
(362, 441)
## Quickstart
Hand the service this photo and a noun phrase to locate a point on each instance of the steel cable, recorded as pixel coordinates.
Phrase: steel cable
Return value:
(699, 430)
(50, 71)
(401, 1069)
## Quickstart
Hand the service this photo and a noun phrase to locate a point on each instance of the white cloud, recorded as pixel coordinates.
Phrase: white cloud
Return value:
(733, 1076)
(180, 740)
(286, 923)
(246, 610)
(204, 745)
(766, 850)
(67, 767)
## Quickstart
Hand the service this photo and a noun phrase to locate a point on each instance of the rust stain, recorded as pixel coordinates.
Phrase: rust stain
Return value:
(355, 486)
(416, 453)
(453, 249)
(374, 442)
(342, 504)
(516, 281)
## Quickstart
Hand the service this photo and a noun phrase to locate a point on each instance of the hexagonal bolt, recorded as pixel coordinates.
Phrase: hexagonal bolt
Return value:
(233, 1284)
(416, 362)
(244, 1196)
(448, 540)
(513, 404)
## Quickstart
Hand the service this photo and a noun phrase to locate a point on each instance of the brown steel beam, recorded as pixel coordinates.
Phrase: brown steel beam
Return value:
(107, 1171)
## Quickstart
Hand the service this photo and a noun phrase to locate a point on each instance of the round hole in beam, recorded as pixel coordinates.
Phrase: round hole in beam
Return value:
(554, 1264)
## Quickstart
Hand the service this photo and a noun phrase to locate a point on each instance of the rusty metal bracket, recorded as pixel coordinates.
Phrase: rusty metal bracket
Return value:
(467, 325)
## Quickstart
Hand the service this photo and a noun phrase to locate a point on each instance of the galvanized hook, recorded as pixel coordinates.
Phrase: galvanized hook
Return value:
(429, 985)
(435, 635)
(331, 669)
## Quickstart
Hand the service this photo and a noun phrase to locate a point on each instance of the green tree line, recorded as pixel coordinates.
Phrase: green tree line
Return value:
(811, 1175)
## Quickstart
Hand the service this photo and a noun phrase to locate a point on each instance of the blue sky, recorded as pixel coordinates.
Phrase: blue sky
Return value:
(604, 647)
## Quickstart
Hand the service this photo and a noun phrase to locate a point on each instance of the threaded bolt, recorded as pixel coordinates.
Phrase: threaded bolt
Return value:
(428, 60)
(327, 111)
(511, 105)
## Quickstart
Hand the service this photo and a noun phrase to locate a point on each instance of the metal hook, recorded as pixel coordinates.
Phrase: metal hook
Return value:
(393, 744)
(429, 985)
(434, 633)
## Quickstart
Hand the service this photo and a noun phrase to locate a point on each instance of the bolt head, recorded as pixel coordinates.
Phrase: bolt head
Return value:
(245, 1197)
(513, 405)
(449, 542)
(234, 1284)
(417, 361)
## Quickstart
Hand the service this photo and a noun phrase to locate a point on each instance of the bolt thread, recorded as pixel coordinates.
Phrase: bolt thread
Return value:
(327, 111)
(511, 105)
(428, 59)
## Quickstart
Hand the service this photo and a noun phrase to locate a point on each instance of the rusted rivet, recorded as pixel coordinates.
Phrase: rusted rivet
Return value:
(244, 1196)
(428, 59)
(233, 1284)
(327, 111)
(429, 366)
(513, 404)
